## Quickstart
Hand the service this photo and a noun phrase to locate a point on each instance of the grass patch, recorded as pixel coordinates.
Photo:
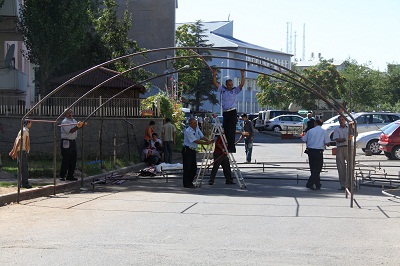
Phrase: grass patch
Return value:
(8, 184)
(42, 166)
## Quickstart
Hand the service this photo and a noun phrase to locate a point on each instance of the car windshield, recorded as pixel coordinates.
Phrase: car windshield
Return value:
(332, 120)
(386, 127)
(391, 127)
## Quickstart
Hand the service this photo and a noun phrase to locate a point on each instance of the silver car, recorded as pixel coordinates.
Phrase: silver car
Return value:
(366, 121)
(369, 140)
(283, 122)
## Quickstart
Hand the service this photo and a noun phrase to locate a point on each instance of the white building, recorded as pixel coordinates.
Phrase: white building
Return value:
(220, 34)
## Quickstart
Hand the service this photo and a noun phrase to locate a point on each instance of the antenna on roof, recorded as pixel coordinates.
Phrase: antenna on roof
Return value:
(9, 56)
(229, 16)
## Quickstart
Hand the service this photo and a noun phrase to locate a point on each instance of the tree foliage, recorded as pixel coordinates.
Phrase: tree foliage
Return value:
(363, 85)
(53, 31)
(197, 85)
(66, 36)
(393, 84)
(277, 92)
(168, 108)
(112, 33)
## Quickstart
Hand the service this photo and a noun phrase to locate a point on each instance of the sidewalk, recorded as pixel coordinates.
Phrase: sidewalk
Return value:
(8, 195)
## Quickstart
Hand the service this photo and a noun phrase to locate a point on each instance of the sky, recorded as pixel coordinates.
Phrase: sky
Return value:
(363, 30)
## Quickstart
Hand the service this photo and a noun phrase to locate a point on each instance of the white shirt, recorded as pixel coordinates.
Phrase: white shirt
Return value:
(190, 135)
(70, 123)
(316, 138)
(341, 133)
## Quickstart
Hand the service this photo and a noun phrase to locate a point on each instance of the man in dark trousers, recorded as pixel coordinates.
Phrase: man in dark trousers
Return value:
(220, 158)
(316, 138)
(192, 136)
(248, 135)
(69, 127)
(228, 98)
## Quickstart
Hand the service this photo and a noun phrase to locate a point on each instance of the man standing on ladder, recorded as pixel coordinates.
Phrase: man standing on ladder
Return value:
(228, 98)
(192, 136)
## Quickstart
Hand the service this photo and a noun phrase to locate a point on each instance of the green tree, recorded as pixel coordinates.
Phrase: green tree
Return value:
(393, 84)
(66, 36)
(197, 85)
(113, 35)
(53, 31)
(273, 92)
(167, 108)
(363, 85)
(277, 92)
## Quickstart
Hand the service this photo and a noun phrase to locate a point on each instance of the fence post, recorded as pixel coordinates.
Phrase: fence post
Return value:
(115, 148)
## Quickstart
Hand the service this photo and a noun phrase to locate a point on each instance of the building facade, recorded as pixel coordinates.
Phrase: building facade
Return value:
(220, 34)
(17, 74)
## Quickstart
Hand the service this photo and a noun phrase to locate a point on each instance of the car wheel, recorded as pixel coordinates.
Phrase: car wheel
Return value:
(373, 146)
(396, 153)
(276, 128)
(388, 155)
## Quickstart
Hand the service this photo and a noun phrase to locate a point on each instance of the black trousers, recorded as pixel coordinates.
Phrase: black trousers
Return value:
(189, 166)
(316, 161)
(229, 124)
(69, 158)
(223, 160)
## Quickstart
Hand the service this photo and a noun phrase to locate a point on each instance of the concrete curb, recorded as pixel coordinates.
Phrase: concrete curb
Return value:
(59, 188)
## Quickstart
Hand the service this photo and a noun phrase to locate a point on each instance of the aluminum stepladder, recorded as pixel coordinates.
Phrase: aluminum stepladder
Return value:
(205, 162)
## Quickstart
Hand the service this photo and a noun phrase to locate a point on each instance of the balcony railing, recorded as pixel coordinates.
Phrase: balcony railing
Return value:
(118, 107)
(13, 80)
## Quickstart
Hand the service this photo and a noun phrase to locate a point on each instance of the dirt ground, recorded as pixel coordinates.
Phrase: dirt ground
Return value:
(6, 177)
(6, 190)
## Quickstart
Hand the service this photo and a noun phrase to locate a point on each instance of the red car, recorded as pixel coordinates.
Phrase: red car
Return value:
(389, 141)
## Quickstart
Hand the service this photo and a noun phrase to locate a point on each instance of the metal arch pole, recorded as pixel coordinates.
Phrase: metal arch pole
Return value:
(298, 83)
(173, 48)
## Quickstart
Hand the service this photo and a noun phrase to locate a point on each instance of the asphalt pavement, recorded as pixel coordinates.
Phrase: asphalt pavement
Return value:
(275, 220)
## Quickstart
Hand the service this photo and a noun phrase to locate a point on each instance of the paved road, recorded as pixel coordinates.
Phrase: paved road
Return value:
(274, 221)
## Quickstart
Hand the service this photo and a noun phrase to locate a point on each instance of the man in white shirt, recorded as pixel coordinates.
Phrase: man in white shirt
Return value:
(192, 137)
(316, 140)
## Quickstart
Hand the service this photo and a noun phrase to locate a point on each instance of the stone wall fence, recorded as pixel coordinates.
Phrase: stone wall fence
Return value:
(101, 138)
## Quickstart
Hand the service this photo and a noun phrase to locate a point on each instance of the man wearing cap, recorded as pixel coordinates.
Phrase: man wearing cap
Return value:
(228, 98)
(69, 127)
(192, 136)
(248, 135)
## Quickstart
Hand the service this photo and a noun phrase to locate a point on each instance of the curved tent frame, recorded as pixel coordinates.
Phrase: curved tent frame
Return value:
(297, 80)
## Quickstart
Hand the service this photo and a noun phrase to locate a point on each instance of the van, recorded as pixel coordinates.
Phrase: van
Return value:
(266, 115)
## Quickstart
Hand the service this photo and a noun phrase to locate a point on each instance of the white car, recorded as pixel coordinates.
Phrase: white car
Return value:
(283, 122)
(369, 140)
(366, 121)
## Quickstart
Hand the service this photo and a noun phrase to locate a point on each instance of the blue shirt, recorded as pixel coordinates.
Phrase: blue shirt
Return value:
(228, 97)
(190, 135)
(316, 138)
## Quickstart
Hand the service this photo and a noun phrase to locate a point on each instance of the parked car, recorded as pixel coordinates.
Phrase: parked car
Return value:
(369, 140)
(239, 124)
(266, 115)
(389, 142)
(366, 121)
(253, 118)
(283, 122)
